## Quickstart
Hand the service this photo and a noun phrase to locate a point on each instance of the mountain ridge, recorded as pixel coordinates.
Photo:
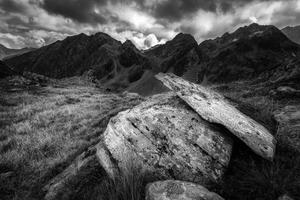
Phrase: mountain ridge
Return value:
(245, 53)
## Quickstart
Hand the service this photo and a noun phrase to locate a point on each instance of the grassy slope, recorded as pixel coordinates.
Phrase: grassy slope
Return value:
(43, 129)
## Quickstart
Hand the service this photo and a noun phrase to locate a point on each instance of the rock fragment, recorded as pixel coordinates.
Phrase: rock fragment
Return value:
(179, 190)
(213, 107)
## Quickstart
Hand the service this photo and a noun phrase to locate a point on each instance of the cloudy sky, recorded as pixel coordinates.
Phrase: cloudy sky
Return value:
(34, 23)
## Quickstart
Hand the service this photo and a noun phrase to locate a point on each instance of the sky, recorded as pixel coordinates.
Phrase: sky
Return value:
(35, 23)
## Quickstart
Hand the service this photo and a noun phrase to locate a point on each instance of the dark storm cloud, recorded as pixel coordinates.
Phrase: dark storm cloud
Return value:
(176, 9)
(286, 16)
(12, 6)
(145, 22)
(79, 10)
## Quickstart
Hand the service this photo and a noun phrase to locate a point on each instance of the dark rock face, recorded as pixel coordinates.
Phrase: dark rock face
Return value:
(293, 33)
(246, 53)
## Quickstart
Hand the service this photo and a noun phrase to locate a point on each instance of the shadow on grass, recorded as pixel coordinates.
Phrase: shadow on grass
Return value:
(127, 185)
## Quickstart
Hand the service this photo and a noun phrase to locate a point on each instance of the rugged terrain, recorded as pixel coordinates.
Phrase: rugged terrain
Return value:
(56, 103)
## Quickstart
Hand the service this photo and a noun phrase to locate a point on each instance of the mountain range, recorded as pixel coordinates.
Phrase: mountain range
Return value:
(250, 52)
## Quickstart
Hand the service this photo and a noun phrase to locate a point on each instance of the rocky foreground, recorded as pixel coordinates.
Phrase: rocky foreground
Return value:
(173, 135)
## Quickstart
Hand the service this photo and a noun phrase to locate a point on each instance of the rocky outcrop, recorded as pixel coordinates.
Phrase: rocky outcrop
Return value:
(212, 107)
(178, 190)
(167, 137)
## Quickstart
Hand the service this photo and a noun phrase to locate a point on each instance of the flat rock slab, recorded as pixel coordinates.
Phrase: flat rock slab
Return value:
(213, 107)
(179, 190)
(167, 137)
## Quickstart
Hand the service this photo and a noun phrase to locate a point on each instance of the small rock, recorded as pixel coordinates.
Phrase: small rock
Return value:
(285, 197)
(178, 190)
(284, 92)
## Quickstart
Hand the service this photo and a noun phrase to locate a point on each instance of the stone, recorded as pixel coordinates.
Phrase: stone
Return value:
(167, 137)
(285, 197)
(214, 108)
(178, 190)
(284, 92)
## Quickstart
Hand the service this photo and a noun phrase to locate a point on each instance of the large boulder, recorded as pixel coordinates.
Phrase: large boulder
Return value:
(178, 190)
(167, 137)
(213, 107)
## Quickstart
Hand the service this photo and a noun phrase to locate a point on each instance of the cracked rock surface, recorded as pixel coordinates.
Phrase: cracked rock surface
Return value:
(167, 137)
(212, 107)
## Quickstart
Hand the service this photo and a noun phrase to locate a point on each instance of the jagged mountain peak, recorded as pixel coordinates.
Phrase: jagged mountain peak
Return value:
(184, 37)
(182, 42)
(128, 44)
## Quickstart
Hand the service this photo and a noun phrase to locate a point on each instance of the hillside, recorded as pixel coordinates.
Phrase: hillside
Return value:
(6, 53)
(293, 33)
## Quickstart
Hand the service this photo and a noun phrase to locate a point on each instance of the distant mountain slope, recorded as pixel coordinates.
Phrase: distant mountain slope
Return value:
(246, 53)
(293, 33)
(6, 52)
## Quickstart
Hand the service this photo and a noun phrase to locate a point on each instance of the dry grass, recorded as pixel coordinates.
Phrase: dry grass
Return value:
(44, 127)
(251, 177)
(129, 184)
